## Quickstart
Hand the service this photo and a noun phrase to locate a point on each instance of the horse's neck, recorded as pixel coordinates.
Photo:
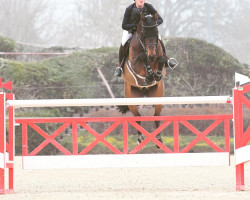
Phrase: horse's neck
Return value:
(139, 29)
(136, 50)
(138, 37)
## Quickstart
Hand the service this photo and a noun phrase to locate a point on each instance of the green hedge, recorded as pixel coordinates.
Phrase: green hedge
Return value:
(7, 44)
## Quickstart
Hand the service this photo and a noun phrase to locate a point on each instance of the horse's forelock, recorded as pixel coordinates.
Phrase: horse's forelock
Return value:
(150, 30)
(149, 21)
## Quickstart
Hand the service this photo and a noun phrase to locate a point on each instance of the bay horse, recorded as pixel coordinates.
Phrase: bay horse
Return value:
(144, 68)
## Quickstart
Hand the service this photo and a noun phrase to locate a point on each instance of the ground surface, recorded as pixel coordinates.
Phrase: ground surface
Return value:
(182, 183)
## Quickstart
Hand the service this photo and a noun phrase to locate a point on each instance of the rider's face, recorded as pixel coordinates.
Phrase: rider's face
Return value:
(139, 3)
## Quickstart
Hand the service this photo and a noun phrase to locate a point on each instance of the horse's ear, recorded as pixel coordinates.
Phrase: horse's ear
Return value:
(155, 17)
(142, 17)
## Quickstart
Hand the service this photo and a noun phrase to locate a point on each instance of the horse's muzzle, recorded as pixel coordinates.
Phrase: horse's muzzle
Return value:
(151, 58)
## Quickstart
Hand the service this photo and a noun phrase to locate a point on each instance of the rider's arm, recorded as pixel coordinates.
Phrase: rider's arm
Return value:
(126, 23)
(152, 11)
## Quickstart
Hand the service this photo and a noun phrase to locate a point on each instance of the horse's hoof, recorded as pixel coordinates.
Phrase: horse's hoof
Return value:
(139, 140)
(158, 78)
(150, 72)
(159, 139)
(158, 75)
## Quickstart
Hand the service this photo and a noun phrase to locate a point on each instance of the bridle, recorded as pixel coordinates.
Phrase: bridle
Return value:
(142, 41)
(154, 25)
(149, 72)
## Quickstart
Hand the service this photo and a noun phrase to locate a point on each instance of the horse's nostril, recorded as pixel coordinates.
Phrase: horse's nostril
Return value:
(152, 58)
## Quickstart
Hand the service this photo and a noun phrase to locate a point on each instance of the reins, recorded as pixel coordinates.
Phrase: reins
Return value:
(142, 44)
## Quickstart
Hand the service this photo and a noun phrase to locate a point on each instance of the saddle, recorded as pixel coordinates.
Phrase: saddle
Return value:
(124, 51)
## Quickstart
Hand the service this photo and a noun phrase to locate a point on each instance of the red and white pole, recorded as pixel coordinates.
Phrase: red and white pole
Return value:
(241, 138)
(2, 143)
(238, 131)
(11, 146)
(7, 150)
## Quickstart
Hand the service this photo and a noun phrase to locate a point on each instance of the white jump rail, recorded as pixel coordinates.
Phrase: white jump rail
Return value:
(242, 155)
(119, 101)
(30, 53)
(127, 161)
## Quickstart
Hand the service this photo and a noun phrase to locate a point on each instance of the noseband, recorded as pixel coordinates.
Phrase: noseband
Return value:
(145, 26)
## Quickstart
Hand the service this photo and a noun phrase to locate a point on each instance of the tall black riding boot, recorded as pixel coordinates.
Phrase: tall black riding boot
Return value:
(119, 70)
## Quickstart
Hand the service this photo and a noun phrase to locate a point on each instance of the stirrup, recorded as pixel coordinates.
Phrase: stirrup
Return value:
(173, 60)
(118, 68)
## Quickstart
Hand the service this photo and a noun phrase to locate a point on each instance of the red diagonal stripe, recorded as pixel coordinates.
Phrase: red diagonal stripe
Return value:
(245, 101)
(246, 88)
(8, 86)
(246, 137)
(105, 133)
(100, 138)
(144, 142)
(150, 137)
(205, 139)
(89, 129)
(49, 139)
(92, 132)
(201, 136)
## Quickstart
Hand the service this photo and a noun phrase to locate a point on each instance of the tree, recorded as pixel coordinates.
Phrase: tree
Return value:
(237, 41)
(177, 16)
(24, 21)
(95, 23)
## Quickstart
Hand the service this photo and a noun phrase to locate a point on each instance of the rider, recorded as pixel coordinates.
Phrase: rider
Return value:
(129, 26)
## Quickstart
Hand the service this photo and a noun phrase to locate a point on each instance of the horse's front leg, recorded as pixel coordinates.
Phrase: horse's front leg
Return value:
(158, 109)
(158, 73)
(150, 75)
(135, 112)
(133, 92)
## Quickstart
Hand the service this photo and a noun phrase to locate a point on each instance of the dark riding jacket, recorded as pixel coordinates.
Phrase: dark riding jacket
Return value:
(128, 22)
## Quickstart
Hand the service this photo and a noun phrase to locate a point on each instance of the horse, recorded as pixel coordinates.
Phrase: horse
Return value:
(144, 68)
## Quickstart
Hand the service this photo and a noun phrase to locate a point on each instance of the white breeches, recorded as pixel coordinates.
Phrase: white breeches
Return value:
(126, 36)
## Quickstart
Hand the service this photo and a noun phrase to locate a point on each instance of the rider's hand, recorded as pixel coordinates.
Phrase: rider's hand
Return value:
(137, 11)
(136, 14)
(133, 30)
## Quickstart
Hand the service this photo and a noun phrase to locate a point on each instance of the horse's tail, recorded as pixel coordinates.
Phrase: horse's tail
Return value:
(123, 109)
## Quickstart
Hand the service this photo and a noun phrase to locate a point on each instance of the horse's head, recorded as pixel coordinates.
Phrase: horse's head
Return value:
(150, 35)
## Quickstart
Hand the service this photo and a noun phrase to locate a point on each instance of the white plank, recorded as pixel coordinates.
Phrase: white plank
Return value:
(1, 161)
(242, 155)
(125, 161)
